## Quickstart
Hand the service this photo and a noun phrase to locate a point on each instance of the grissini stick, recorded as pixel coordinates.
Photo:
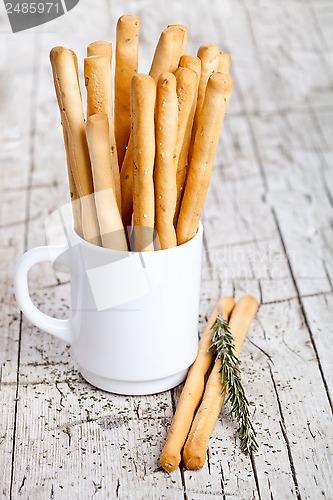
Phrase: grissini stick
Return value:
(224, 63)
(166, 58)
(100, 48)
(127, 39)
(210, 57)
(191, 62)
(184, 28)
(111, 227)
(166, 128)
(205, 144)
(192, 391)
(126, 184)
(75, 199)
(167, 54)
(187, 86)
(143, 97)
(195, 449)
(64, 67)
(168, 51)
(98, 81)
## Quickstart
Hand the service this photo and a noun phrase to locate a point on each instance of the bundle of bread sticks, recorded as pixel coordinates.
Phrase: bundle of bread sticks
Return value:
(140, 162)
(203, 396)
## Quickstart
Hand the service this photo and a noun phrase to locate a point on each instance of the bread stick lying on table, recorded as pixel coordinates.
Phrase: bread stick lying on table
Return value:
(166, 128)
(192, 391)
(143, 97)
(187, 86)
(127, 40)
(111, 227)
(64, 68)
(168, 51)
(98, 81)
(205, 144)
(195, 449)
(100, 48)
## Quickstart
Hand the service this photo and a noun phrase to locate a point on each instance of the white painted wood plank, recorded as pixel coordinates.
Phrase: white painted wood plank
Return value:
(319, 310)
(15, 165)
(86, 441)
(238, 215)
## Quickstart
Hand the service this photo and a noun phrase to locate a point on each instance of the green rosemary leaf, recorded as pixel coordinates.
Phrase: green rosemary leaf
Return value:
(224, 349)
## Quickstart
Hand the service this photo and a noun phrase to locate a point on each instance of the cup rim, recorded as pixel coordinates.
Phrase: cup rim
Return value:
(178, 248)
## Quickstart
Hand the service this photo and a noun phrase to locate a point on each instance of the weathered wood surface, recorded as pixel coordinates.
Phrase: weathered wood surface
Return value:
(268, 231)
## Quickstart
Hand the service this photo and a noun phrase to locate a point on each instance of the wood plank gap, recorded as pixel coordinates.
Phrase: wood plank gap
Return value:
(254, 143)
(305, 319)
(322, 159)
(222, 482)
(255, 474)
(257, 155)
(285, 437)
(33, 115)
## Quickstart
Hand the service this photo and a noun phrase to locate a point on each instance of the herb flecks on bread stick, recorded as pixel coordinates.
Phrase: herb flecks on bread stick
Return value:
(166, 127)
(187, 85)
(64, 67)
(168, 51)
(143, 97)
(127, 39)
(192, 391)
(195, 449)
(111, 227)
(224, 63)
(98, 81)
(205, 144)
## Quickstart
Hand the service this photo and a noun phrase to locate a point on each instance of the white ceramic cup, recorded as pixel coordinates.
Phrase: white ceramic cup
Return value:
(134, 315)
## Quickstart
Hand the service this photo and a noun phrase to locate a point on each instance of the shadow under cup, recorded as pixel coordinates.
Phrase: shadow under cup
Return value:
(134, 315)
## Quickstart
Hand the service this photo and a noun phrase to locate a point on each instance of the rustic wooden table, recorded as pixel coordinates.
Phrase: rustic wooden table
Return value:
(268, 231)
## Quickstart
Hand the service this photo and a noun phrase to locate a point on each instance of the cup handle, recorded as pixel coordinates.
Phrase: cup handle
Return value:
(61, 328)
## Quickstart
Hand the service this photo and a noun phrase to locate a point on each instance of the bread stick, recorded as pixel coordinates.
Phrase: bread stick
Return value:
(64, 68)
(195, 449)
(100, 48)
(143, 97)
(191, 62)
(126, 183)
(111, 227)
(75, 199)
(187, 86)
(192, 391)
(205, 144)
(166, 128)
(184, 28)
(209, 54)
(97, 75)
(127, 39)
(224, 63)
(168, 51)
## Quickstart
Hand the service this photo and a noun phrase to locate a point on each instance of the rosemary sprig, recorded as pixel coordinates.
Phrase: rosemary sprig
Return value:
(224, 347)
